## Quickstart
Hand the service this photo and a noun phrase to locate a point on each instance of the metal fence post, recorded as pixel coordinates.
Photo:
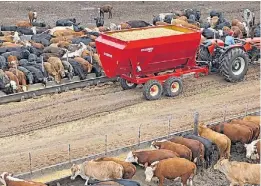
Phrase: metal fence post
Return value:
(195, 128)
(106, 141)
(225, 113)
(246, 109)
(170, 117)
(69, 152)
(139, 134)
(30, 162)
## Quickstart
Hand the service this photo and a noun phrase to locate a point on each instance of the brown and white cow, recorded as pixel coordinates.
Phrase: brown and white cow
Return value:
(129, 168)
(102, 171)
(195, 146)
(8, 180)
(181, 150)
(253, 150)
(147, 157)
(171, 168)
(239, 173)
(221, 140)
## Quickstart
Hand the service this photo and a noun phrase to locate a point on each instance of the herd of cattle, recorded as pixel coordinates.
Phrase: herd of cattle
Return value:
(177, 159)
(33, 52)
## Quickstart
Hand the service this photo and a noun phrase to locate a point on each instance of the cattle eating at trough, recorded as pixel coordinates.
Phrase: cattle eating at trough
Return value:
(58, 53)
(33, 37)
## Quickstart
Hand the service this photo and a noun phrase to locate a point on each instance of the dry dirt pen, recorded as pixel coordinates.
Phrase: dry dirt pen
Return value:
(204, 177)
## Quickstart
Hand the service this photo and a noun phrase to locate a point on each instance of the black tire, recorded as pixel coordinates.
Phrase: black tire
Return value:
(168, 86)
(147, 90)
(234, 65)
(125, 85)
(203, 54)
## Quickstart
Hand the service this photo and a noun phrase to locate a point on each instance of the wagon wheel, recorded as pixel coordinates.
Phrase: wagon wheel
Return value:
(173, 86)
(152, 90)
(127, 85)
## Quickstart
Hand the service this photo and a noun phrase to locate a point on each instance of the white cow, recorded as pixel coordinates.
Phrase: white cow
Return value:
(8, 179)
(239, 173)
(76, 53)
(251, 150)
(102, 171)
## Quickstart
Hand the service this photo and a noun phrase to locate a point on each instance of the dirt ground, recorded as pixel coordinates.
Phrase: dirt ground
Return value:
(47, 125)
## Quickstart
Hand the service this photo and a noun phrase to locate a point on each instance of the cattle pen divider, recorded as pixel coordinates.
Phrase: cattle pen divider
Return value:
(140, 145)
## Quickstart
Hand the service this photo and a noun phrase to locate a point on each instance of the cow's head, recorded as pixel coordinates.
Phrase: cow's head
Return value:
(220, 164)
(13, 85)
(250, 150)
(157, 144)
(132, 157)
(149, 171)
(3, 177)
(75, 170)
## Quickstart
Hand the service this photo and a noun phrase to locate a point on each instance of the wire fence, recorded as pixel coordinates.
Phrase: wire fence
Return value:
(163, 125)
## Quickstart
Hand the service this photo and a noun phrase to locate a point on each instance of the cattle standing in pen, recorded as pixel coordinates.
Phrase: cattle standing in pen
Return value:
(171, 168)
(146, 157)
(195, 146)
(32, 16)
(222, 141)
(106, 9)
(103, 171)
(239, 173)
(209, 148)
(253, 150)
(181, 150)
(129, 168)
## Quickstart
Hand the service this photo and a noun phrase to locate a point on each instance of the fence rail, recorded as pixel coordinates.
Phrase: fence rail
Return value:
(138, 145)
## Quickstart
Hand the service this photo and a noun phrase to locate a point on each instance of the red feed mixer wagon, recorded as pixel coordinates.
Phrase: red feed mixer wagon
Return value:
(157, 62)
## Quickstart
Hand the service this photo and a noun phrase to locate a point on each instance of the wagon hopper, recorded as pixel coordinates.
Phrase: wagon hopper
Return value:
(156, 57)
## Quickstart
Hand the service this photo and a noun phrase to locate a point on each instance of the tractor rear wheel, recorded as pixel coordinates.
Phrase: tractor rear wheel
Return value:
(152, 90)
(234, 65)
(173, 86)
(127, 85)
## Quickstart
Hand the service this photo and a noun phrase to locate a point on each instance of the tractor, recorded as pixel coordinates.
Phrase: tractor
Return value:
(231, 61)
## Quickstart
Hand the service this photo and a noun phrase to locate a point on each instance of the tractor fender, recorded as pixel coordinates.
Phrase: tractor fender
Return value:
(227, 49)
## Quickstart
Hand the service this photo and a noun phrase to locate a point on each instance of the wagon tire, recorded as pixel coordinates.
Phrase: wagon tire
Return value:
(173, 86)
(234, 65)
(152, 90)
(126, 85)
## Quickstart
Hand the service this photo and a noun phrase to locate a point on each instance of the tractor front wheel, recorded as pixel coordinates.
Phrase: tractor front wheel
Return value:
(152, 90)
(234, 65)
(127, 85)
(173, 86)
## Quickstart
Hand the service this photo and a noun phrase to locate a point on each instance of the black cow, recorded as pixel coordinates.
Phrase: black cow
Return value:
(99, 21)
(3, 63)
(65, 22)
(39, 24)
(156, 19)
(37, 74)
(78, 69)
(209, 148)
(138, 24)
(29, 76)
(8, 28)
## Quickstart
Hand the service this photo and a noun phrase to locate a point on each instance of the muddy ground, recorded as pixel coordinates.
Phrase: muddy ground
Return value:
(45, 126)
